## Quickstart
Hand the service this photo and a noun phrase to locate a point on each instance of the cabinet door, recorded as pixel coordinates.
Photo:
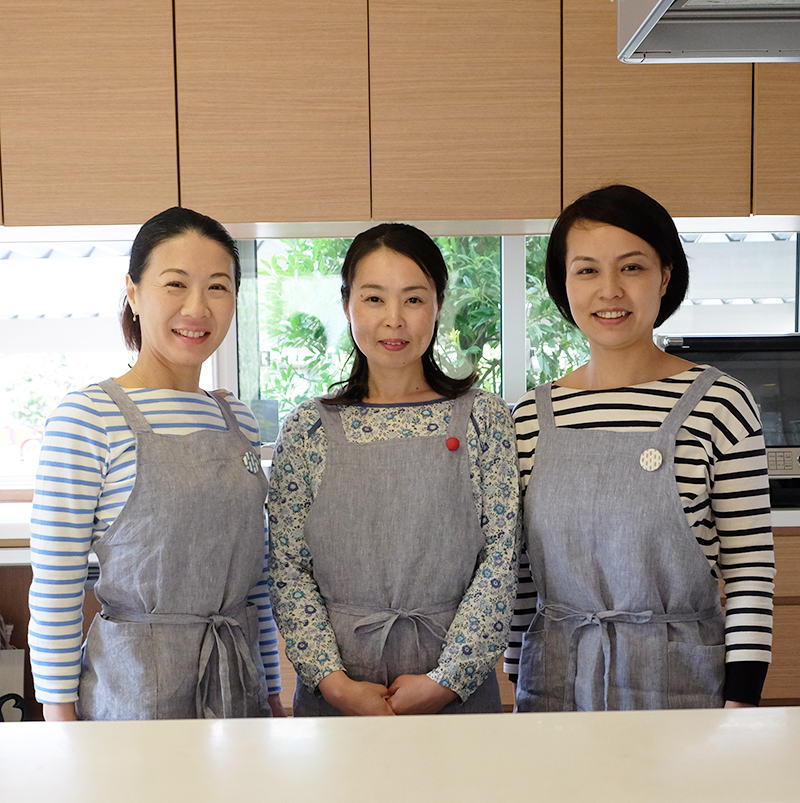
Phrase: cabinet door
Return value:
(87, 111)
(776, 151)
(464, 105)
(273, 109)
(680, 132)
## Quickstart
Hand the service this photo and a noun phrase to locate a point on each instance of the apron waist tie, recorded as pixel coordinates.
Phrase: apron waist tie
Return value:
(382, 620)
(558, 613)
(212, 639)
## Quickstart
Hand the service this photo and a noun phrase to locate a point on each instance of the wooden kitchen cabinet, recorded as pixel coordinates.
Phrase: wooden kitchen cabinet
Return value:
(782, 686)
(680, 132)
(87, 111)
(776, 139)
(273, 109)
(464, 109)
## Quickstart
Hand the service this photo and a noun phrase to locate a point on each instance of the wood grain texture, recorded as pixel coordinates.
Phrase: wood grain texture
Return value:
(87, 111)
(680, 132)
(776, 140)
(783, 677)
(273, 109)
(787, 565)
(465, 109)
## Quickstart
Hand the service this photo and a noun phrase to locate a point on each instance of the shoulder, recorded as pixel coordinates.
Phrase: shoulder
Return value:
(728, 404)
(490, 409)
(85, 407)
(300, 422)
(244, 415)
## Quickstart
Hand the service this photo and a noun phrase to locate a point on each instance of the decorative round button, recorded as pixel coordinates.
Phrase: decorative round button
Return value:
(452, 444)
(650, 460)
(250, 462)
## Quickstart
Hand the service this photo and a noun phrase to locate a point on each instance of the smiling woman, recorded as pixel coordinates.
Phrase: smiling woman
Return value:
(163, 482)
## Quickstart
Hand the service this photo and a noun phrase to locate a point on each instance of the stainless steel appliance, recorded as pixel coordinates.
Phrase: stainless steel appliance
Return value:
(770, 367)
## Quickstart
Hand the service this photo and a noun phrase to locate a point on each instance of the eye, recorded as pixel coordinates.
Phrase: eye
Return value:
(585, 271)
(414, 300)
(219, 287)
(372, 299)
(175, 283)
(632, 267)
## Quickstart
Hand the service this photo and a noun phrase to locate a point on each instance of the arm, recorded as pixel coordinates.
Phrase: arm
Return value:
(72, 467)
(740, 511)
(470, 652)
(297, 604)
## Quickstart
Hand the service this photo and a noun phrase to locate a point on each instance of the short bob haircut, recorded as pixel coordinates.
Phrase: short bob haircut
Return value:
(174, 222)
(415, 244)
(630, 209)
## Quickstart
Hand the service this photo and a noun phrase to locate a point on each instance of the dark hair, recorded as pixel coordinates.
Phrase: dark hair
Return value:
(413, 243)
(629, 209)
(173, 222)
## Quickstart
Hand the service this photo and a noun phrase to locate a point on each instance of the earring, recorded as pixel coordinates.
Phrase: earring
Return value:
(135, 317)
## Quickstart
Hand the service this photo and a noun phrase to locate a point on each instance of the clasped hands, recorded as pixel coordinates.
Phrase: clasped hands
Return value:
(409, 694)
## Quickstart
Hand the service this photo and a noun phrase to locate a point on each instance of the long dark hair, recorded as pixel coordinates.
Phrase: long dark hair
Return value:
(413, 243)
(626, 208)
(173, 222)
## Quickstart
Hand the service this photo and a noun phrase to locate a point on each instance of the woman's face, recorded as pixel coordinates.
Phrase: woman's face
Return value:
(392, 310)
(185, 301)
(615, 282)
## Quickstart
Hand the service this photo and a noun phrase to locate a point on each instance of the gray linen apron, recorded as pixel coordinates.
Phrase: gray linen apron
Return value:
(177, 637)
(628, 613)
(395, 539)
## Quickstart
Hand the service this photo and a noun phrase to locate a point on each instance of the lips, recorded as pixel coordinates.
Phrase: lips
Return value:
(191, 333)
(611, 315)
(394, 345)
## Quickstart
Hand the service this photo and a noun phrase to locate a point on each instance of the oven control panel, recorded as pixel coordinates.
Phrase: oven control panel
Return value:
(783, 461)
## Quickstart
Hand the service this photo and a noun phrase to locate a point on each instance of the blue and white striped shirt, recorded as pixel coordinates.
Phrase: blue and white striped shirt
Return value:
(86, 472)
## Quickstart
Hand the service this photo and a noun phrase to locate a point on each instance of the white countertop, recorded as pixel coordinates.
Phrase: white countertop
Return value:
(712, 756)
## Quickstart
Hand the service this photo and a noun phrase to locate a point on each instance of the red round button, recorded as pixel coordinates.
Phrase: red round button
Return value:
(452, 444)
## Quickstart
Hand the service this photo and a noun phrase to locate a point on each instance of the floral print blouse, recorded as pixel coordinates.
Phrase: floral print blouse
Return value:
(476, 638)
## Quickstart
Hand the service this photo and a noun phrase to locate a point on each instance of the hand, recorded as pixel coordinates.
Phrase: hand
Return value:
(59, 712)
(355, 698)
(418, 694)
(733, 704)
(276, 705)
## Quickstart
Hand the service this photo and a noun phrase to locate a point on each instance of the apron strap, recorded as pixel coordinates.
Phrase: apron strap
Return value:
(462, 412)
(130, 412)
(212, 641)
(331, 421)
(687, 402)
(225, 409)
(544, 406)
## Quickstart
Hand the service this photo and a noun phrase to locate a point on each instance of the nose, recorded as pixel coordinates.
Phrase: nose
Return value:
(394, 314)
(610, 286)
(195, 304)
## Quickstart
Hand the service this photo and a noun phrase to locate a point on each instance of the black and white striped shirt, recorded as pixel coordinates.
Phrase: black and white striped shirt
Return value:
(721, 474)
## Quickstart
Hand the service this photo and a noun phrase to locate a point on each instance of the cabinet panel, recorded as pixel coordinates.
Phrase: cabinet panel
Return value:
(273, 109)
(87, 111)
(464, 108)
(776, 150)
(680, 132)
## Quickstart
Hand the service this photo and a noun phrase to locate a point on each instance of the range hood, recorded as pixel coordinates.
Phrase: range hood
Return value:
(667, 31)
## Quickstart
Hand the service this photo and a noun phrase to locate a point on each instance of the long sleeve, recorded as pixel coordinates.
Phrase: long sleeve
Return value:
(477, 635)
(73, 463)
(298, 461)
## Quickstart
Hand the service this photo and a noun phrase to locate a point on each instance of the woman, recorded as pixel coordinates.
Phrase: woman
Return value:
(163, 482)
(649, 483)
(393, 508)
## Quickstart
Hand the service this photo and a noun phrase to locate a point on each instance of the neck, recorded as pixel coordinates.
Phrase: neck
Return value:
(390, 387)
(608, 369)
(150, 373)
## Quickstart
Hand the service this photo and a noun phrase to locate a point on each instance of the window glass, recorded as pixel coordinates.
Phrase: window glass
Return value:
(59, 331)
(291, 298)
(555, 346)
(738, 284)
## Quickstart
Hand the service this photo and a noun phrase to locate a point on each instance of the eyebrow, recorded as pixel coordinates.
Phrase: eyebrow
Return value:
(186, 273)
(382, 287)
(621, 256)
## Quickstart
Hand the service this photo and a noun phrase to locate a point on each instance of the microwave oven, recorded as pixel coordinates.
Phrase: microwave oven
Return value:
(770, 367)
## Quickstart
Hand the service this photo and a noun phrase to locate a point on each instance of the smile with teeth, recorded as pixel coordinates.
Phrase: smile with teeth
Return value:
(188, 333)
(612, 314)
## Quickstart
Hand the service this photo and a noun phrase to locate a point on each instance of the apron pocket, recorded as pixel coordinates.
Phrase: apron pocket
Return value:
(696, 674)
(118, 672)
